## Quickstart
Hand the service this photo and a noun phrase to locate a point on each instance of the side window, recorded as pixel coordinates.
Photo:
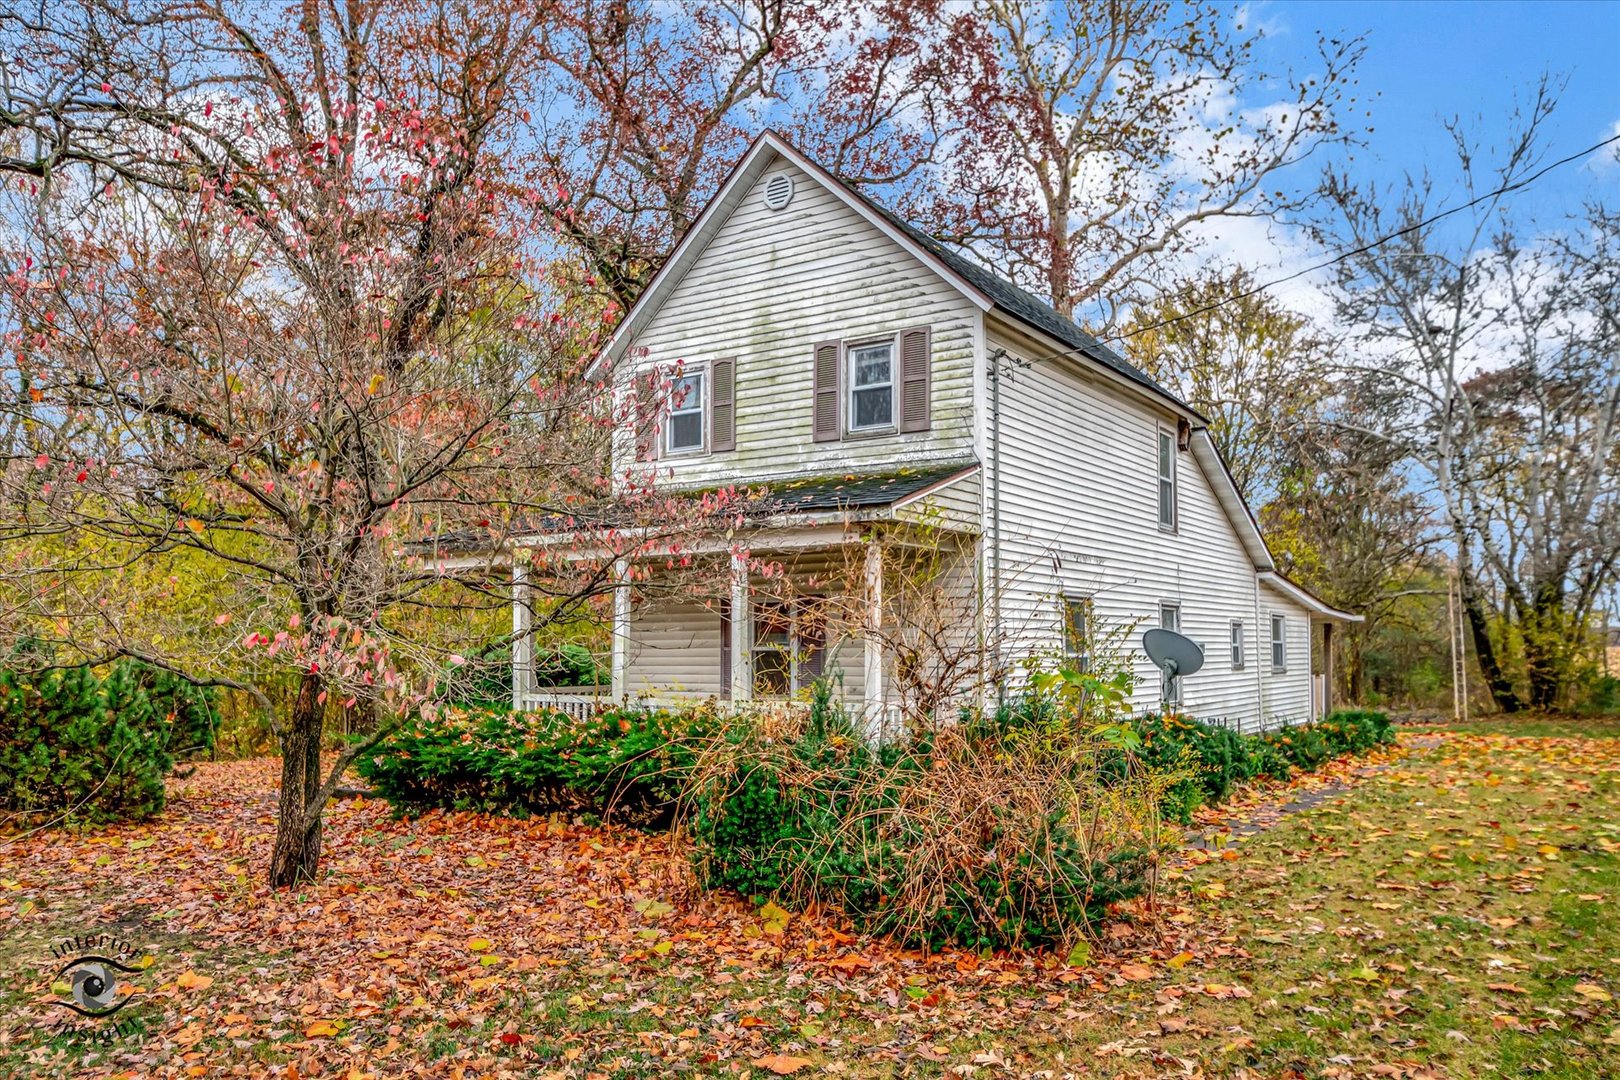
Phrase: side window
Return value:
(1077, 621)
(1237, 644)
(1167, 480)
(1170, 619)
(1279, 643)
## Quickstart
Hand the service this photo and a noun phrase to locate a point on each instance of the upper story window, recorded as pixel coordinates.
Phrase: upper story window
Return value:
(1167, 480)
(1279, 642)
(871, 386)
(685, 431)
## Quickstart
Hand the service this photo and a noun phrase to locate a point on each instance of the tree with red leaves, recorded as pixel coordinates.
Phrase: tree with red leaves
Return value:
(279, 305)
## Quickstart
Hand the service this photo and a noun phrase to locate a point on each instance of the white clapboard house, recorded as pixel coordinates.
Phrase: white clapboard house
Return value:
(885, 391)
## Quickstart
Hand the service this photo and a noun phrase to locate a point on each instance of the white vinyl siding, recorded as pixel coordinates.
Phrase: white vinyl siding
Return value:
(1288, 692)
(767, 289)
(1080, 515)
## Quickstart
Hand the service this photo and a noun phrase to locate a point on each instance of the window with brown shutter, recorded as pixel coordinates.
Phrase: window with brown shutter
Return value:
(723, 404)
(645, 389)
(827, 423)
(915, 376)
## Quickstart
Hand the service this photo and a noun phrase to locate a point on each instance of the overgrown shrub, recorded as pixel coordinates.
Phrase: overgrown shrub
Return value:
(1213, 757)
(1347, 731)
(627, 762)
(1008, 833)
(79, 747)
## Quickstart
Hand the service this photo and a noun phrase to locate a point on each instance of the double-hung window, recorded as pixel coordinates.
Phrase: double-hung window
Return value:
(789, 637)
(1237, 644)
(871, 387)
(685, 432)
(1279, 643)
(1170, 619)
(1167, 480)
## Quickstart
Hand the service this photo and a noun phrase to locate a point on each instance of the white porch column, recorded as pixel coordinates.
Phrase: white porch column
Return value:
(621, 630)
(873, 711)
(742, 632)
(522, 642)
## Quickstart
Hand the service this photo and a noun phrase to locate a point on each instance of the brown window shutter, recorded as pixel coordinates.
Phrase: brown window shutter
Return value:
(826, 425)
(916, 362)
(723, 404)
(646, 415)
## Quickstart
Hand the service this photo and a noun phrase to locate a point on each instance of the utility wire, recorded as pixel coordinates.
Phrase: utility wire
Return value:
(1342, 256)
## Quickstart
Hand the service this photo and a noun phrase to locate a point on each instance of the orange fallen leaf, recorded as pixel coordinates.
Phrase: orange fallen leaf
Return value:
(1136, 972)
(190, 980)
(781, 1064)
(320, 1028)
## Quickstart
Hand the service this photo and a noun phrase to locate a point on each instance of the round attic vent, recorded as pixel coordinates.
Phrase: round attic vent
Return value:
(778, 191)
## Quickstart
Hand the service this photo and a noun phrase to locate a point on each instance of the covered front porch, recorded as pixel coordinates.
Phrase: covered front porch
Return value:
(819, 591)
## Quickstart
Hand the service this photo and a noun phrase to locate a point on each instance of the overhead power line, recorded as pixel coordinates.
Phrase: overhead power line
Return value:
(1505, 189)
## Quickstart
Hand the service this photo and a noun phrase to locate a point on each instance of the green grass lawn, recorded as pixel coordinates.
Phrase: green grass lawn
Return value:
(1449, 915)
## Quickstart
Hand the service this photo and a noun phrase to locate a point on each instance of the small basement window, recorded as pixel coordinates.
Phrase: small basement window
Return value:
(871, 386)
(685, 431)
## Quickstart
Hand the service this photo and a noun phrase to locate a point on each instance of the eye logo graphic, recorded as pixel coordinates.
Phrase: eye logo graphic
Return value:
(92, 983)
(93, 980)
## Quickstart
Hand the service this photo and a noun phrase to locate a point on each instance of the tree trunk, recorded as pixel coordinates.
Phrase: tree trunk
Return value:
(1479, 627)
(297, 853)
(1543, 630)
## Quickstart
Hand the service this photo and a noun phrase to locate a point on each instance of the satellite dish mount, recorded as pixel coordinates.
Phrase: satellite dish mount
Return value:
(1175, 656)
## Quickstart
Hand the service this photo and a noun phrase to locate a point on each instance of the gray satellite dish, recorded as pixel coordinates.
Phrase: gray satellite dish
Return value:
(1174, 654)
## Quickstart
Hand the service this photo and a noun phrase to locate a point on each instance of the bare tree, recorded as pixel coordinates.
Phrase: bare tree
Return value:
(1095, 142)
(1455, 318)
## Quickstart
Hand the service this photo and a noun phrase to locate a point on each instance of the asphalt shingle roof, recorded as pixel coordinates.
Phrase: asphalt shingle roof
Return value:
(1019, 303)
(850, 491)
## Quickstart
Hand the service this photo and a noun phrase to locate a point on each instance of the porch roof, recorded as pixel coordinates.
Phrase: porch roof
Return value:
(782, 502)
(853, 491)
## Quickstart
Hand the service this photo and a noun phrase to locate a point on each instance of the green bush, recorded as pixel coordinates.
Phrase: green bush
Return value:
(81, 748)
(1216, 758)
(1347, 731)
(1005, 834)
(1601, 697)
(624, 761)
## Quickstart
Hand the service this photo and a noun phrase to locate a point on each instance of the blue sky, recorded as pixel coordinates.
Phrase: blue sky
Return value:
(1425, 63)
(1429, 61)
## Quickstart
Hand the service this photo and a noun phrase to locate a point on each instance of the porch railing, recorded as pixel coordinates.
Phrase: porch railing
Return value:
(580, 702)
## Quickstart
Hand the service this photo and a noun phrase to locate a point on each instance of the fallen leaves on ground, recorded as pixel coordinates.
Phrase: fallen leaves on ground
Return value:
(464, 945)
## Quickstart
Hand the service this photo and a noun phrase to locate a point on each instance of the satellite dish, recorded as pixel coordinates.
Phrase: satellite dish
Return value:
(1175, 654)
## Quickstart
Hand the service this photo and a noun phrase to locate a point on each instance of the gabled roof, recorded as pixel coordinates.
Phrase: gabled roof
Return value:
(984, 289)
